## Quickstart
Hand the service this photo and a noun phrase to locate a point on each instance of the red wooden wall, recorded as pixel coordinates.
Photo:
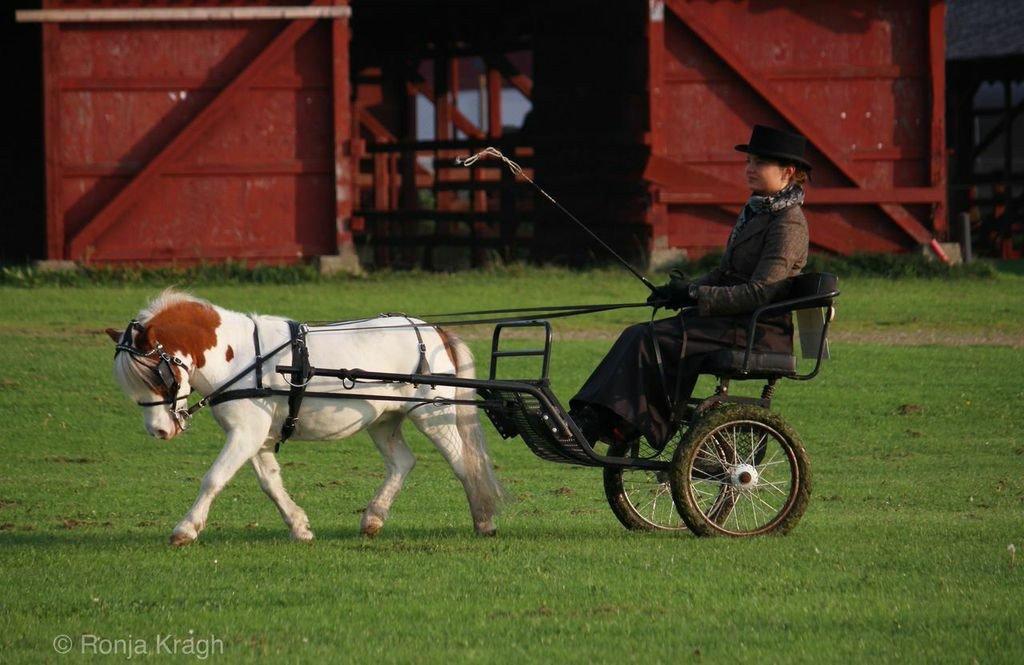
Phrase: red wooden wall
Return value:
(203, 140)
(863, 80)
(196, 140)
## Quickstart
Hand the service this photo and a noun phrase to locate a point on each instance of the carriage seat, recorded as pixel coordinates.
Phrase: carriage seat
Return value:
(729, 363)
(807, 291)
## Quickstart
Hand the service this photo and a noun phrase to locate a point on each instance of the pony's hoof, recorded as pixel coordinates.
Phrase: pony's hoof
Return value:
(486, 529)
(181, 537)
(371, 526)
(302, 535)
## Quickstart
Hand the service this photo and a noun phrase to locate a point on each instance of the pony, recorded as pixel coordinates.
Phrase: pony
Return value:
(180, 343)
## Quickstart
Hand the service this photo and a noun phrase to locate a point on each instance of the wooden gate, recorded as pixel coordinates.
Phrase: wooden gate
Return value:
(196, 133)
(863, 81)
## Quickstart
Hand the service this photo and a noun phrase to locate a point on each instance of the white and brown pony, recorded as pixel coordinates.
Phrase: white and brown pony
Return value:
(212, 345)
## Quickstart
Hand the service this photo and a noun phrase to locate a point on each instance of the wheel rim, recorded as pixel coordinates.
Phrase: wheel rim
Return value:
(743, 477)
(649, 496)
(649, 493)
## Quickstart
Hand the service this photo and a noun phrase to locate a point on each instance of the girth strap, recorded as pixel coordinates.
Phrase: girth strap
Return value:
(299, 379)
(424, 366)
(259, 358)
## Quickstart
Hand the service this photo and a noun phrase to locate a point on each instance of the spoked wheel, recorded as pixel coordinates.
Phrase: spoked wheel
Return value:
(641, 499)
(740, 471)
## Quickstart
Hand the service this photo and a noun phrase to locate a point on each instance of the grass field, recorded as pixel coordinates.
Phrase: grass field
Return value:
(914, 430)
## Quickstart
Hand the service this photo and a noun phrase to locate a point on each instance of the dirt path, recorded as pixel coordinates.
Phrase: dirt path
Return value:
(888, 337)
(922, 337)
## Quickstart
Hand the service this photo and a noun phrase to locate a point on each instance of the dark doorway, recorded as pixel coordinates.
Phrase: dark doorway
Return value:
(23, 226)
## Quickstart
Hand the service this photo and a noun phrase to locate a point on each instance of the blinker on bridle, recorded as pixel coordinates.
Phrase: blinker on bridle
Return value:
(164, 370)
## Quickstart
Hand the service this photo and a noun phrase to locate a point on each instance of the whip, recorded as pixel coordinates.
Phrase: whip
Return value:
(518, 171)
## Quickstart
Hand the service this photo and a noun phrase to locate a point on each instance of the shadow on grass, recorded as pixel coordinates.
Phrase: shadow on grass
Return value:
(136, 538)
(397, 537)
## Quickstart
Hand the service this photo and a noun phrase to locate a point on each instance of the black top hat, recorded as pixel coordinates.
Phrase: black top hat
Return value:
(775, 143)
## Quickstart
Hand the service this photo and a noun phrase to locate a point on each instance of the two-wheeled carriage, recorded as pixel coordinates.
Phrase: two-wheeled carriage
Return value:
(733, 466)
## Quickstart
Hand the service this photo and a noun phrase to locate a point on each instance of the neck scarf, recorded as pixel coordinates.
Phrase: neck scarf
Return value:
(758, 204)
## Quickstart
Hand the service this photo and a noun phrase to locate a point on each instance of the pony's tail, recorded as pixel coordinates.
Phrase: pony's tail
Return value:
(480, 469)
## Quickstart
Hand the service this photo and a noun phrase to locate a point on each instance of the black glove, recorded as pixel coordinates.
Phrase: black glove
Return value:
(674, 294)
(659, 296)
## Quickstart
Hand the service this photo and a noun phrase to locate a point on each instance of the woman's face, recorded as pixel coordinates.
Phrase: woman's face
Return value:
(765, 176)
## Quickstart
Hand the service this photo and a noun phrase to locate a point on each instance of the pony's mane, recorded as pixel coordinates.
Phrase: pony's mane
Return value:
(168, 297)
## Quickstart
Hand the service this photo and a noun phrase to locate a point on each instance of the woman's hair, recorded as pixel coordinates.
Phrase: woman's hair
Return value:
(800, 175)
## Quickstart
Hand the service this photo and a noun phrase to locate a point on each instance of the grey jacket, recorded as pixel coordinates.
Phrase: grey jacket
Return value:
(757, 264)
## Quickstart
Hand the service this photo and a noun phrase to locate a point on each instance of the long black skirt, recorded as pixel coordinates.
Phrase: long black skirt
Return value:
(628, 382)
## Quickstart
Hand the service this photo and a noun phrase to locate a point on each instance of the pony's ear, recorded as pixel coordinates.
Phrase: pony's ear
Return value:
(114, 335)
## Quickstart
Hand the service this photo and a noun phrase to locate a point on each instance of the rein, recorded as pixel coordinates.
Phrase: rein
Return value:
(556, 312)
(300, 355)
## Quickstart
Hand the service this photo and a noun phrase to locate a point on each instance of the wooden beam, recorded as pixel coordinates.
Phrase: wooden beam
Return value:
(672, 174)
(192, 132)
(815, 196)
(792, 114)
(171, 254)
(376, 127)
(833, 235)
(462, 123)
(825, 72)
(937, 66)
(516, 79)
(179, 14)
(493, 103)
(657, 212)
(344, 185)
(54, 173)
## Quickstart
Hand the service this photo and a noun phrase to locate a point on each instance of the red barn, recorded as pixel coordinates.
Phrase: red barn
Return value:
(194, 131)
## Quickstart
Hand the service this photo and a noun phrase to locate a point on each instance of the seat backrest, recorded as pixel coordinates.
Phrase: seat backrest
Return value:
(811, 321)
(813, 284)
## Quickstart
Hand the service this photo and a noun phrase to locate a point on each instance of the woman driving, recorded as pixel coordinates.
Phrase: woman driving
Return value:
(630, 391)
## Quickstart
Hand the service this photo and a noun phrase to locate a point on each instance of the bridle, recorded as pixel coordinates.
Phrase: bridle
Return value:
(164, 370)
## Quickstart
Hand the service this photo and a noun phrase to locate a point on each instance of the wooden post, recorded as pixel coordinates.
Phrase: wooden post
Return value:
(344, 159)
(937, 67)
(478, 195)
(442, 132)
(657, 212)
(506, 193)
(51, 112)
(493, 103)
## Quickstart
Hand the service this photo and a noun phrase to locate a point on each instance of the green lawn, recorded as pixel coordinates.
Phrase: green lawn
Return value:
(902, 554)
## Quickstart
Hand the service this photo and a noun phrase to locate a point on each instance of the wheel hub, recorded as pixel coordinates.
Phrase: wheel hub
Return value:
(744, 476)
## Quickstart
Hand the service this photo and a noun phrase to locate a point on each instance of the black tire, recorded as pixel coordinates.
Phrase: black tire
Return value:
(641, 500)
(740, 471)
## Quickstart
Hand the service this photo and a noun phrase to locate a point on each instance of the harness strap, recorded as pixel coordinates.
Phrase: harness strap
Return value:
(259, 358)
(424, 366)
(679, 367)
(653, 337)
(299, 379)
(222, 394)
